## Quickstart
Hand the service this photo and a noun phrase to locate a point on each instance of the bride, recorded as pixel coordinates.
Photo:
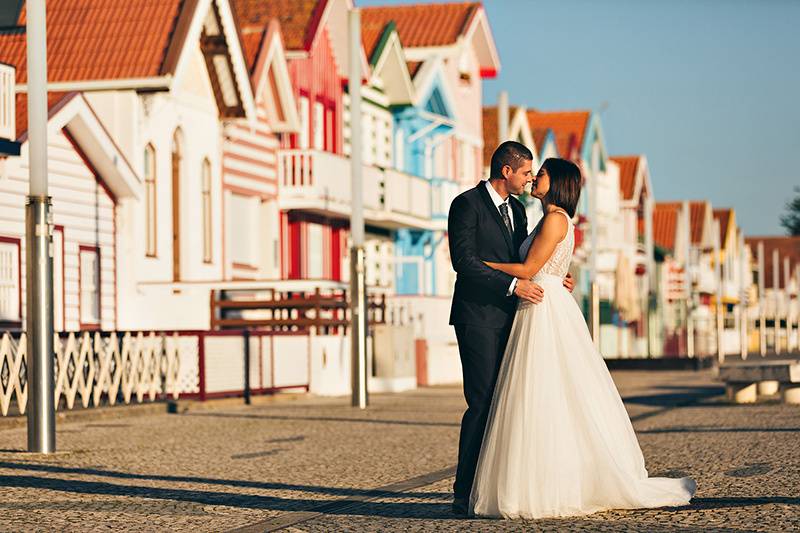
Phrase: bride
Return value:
(558, 441)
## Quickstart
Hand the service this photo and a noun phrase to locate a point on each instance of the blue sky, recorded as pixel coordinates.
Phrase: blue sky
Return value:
(709, 90)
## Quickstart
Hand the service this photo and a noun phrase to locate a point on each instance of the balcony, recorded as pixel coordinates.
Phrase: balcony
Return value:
(320, 182)
(8, 125)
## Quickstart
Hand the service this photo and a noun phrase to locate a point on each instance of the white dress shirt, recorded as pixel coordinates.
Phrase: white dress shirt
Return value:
(498, 201)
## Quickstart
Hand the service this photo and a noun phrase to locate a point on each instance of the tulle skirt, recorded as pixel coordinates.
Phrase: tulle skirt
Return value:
(558, 441)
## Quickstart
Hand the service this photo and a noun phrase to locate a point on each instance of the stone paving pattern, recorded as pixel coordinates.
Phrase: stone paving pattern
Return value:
(215, 470)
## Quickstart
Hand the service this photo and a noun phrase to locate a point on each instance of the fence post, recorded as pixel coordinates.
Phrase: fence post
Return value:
(247, 366)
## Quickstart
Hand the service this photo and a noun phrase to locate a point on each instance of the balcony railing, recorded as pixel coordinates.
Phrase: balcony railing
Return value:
(320, 181)
(7, 120)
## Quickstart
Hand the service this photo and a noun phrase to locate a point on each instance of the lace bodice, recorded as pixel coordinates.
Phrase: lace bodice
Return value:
(558, 264)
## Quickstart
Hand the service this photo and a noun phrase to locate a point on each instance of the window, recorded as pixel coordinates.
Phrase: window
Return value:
(319, 126)
(304, 122)
(89, 280)
(244, 218)
(206, 199)
(10, 290)
(150, 200)
(315, 252)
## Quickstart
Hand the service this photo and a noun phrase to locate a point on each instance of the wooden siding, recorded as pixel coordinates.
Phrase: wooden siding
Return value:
(84, 207)
(316, 77)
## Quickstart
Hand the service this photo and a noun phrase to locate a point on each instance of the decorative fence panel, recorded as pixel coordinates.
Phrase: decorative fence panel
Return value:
(95, 368)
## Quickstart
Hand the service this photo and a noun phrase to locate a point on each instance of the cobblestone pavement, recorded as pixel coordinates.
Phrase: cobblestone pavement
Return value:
(315, 464)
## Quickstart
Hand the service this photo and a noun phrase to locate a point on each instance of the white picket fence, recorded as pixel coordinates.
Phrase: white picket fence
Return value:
(96, 368)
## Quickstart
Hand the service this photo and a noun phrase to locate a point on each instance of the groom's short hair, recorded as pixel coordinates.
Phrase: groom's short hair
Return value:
(509, 153)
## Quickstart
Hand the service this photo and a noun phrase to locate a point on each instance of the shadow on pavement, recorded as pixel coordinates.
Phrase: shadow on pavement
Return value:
(55, 469)
(675, 399)
(719, 430)
(326, 419)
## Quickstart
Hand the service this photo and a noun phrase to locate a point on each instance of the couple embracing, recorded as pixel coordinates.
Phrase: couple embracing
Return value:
(545, 433)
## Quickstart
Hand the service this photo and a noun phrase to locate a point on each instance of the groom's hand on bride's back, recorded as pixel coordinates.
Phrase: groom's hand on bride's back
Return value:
(528, 290)
(569, 282)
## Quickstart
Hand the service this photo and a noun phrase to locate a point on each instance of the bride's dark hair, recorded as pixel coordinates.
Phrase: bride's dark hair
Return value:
(565, 184)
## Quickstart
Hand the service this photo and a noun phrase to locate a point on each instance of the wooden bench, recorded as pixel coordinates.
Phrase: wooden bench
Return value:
(746, 380)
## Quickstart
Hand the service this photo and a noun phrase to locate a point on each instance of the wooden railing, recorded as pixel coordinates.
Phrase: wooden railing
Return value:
(270, 310)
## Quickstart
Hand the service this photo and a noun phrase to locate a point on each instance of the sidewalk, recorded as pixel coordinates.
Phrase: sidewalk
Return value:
(315, 464)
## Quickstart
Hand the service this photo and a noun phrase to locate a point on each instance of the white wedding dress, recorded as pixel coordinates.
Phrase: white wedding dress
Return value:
(558, 440)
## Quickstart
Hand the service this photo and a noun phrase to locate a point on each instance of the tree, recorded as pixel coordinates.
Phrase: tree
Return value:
(791, 220)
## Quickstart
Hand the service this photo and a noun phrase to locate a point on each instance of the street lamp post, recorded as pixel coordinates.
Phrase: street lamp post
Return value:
(762, 302)
(358, 287)
(39, 245)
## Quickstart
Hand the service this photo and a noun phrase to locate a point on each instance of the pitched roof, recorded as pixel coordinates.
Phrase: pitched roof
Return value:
(724, 216)
(298, 18)
(371, 33)
(697, 218)
(425, 24)
(89, 40)
(54, 101)
(539, 136)
(786, 246)
(251, 45)
(413, 67)
(628, 165)
(568, 127)
(665, 224)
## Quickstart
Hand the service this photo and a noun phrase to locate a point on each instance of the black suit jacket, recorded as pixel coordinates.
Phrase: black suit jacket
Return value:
(477, 233)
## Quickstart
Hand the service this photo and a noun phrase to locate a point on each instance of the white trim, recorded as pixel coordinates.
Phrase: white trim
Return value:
(393, 45)
(159, 82)
(276, 59)
(480, 20)
(77, 116)
(240, 72)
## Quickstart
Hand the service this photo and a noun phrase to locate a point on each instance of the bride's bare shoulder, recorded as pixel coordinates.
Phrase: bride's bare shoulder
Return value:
(555, 224)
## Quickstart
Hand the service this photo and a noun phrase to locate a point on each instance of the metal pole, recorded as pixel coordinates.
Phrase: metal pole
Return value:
(39, 245)
(358, 286)
(786, 297)
(762, 302)
(650, 289)
(744, 283)
(593, 222)
(718, 274)
(776, 284)
(688, 281)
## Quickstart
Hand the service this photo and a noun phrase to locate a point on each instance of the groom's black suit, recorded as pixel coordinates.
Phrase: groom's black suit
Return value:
(482, 312)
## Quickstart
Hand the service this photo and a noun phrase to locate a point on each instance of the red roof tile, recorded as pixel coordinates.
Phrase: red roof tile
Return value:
(251, 45)
(665, 224)
(697, 218)
(628, 165)
(297, 18)
(539, 136)
(425, 24)
(413, 67)
(490, 125)
(568, 127)
(786, 246)
(724, 216)
(91, 40)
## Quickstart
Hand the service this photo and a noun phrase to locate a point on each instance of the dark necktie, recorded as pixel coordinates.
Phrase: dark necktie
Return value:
(504, 214)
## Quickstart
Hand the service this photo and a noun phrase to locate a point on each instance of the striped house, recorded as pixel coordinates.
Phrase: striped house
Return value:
(250, 161)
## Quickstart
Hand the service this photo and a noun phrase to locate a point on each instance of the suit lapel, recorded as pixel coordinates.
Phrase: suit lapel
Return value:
(496, 215)
(520, 228)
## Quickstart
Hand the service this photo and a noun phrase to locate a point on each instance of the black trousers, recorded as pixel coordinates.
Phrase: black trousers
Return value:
(481, 350)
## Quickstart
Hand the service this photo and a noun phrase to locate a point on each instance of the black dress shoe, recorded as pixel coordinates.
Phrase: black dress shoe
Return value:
(461, 506)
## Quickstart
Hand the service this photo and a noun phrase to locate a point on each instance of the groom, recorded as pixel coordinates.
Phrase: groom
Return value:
(486, 223)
